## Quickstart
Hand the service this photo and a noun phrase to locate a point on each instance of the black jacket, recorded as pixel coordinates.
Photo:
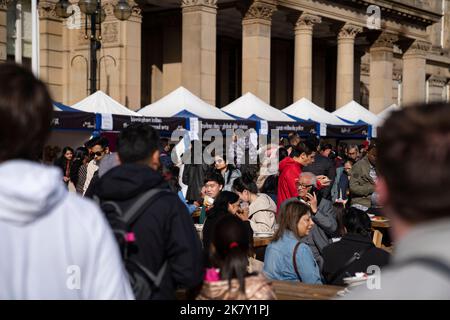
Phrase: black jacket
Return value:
(337, 254)
(61, 164)
(165, 231)
(323, 166)
(193, 176)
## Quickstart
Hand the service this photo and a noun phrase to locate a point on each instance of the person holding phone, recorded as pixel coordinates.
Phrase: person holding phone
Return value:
(290, 169)
(322, 213)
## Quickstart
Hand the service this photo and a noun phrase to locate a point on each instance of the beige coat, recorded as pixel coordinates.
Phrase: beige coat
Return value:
(262, 214)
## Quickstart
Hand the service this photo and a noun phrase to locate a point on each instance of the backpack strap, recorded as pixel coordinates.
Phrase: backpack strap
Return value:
(134, 211)
(294, 261)
(433, 263)
(356, 256)
(155, 279)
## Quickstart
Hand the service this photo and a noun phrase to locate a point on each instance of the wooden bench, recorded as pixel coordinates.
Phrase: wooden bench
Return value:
(295, 290)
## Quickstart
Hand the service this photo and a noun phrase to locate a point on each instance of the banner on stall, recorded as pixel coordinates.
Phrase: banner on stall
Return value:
(350, 132)
(161, 124)
(302, 128)
(73, 120)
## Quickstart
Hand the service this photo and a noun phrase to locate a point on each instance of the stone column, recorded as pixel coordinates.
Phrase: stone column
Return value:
(436, 85)
(130, 59)
(51, 48)
(303, 55)
(381, 71)
(3, 31)
(446, 18)
(345, 64)
(414, 61)
(256, 26)
(198, 71)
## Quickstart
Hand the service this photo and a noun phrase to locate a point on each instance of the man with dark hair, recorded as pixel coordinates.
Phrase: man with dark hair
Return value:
(98, 148)
(323, 166)
(164, 232)
(291, 168)
(414, 190)
(326, 149)
(53, 244)
(212, 186)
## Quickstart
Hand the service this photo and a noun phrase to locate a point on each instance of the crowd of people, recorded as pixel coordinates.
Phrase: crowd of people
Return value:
(124, 220)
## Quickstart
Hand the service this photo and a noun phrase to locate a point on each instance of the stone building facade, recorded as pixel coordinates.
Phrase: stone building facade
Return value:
(376, 52)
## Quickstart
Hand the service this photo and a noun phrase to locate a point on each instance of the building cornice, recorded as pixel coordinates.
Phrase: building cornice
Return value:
(354, 11)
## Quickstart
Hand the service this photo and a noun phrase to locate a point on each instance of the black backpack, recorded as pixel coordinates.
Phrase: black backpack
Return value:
(143, 282)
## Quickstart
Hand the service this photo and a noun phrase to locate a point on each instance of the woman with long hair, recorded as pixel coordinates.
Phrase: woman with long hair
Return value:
(80, 158)
(228, 279)
(65, 163)
(261, 211)
(226, 203)
(287, 257)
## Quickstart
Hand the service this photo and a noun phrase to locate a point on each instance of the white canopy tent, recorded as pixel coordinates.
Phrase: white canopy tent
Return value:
(383, 115)
(306, 110)
(354, 112)
(251, 107)
(100, 102)
(183, 103)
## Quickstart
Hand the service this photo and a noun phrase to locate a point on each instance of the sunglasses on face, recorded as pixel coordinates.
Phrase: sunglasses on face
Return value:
(97, 154)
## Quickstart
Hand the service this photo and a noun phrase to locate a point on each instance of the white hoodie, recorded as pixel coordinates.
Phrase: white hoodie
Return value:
(54, 244)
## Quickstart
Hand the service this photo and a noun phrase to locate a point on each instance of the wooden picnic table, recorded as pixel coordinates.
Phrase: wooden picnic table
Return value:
(261, 241)
(295, 290)
(380, 224)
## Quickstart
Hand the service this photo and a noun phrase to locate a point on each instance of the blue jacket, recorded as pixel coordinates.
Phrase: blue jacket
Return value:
(278, 261)
(191, 208)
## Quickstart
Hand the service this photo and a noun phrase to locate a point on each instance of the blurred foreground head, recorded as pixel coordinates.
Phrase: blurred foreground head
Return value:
(25, 113)
(414, 164)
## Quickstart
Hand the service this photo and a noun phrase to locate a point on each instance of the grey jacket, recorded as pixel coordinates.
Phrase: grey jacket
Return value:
(414, 280)
(325, 226)
(229, 181)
